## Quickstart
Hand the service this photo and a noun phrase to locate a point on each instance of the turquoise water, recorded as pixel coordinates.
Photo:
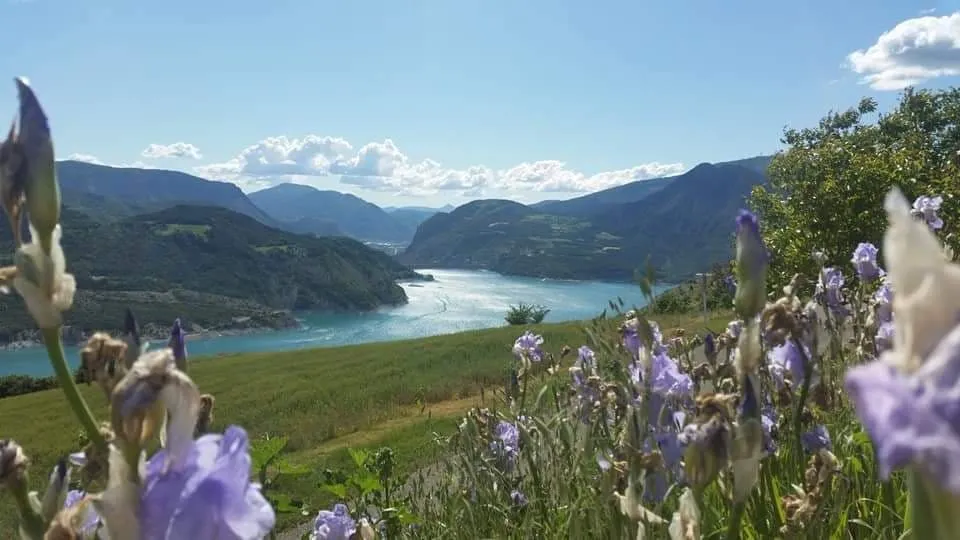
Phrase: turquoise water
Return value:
(457, 300)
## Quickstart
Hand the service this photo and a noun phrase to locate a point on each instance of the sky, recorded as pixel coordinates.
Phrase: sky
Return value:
(430, 102)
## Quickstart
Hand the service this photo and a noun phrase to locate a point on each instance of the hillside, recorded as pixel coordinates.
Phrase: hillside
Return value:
(355, 217)
(683, 227)
(114, 192)
(595, 203)
(214, 267)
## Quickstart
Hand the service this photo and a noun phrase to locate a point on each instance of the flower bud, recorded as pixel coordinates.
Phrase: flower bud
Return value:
(36, 146)
(752, 261)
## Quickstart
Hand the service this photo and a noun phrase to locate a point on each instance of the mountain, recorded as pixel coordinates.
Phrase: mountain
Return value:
(211, 266)
(684, 226)
(114, 192)
(595, 203)
(355, 217)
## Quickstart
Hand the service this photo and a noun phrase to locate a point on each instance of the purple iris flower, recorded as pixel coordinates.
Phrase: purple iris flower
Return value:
(818, 437)
(206, 494)
(865, 262)
(927, 208)
(913, 419)
(334, 525)
(529, 346)
(787, 358)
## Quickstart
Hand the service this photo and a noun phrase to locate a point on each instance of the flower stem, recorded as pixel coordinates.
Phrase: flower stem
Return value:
(51, 340)
(802, 401)
(736, 517)
(30, 521)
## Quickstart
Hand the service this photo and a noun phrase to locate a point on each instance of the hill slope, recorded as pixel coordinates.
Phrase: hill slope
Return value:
(596, 203)
(352, 215)
(212, 266)
(114, 192)
(683, 227)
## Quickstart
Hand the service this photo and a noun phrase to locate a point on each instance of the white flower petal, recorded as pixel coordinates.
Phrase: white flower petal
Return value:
(927, 285)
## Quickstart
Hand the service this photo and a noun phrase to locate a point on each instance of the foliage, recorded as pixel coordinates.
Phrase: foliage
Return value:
(826, 189)
(234, 280)
(680, 228)
(526, 314)
(269, 465)
(688, 297)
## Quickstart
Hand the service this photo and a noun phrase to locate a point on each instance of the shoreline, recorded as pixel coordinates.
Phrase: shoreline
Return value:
(151, 337)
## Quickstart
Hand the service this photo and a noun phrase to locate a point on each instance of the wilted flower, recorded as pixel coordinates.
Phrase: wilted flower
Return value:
(926, 208)
(334, 525)
(865, 262)
(528, 346)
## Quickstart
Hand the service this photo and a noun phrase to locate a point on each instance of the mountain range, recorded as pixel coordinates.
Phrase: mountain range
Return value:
(111, 193)
(681, 225)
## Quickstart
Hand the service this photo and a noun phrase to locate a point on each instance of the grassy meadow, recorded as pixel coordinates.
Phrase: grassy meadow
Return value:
(325, 401)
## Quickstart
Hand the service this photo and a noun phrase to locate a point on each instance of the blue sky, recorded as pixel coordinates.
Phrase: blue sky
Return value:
(436, 101)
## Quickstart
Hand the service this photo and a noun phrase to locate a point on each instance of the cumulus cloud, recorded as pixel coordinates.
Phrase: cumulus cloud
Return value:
(382, 166)
(175, 150)
(914, 51)
(86, 158)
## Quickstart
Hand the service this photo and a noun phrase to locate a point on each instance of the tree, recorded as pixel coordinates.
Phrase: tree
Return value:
(826, 190)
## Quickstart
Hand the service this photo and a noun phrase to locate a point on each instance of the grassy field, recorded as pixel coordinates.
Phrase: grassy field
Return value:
(325, 400)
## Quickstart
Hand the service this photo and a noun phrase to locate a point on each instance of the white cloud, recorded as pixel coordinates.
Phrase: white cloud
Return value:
(914, 51)
(382, 166)
(175, 150)
(86, 158)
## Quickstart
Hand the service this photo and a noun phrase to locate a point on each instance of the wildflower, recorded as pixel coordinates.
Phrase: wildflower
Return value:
(906, 399)
(13, 463)
(883, 340)
(528, 347)
(586, 358)
(883, 301)
(334, 525)
(787, 359)
(506, 445)
(816, 438)
(830, 290)
(518, 498)
(41, 279)
(206, 493)
(926, 208)
(865, 262)
(752, 261)
(366, 529)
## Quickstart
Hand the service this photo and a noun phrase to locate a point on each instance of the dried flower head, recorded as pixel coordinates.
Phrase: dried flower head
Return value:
(102, 360)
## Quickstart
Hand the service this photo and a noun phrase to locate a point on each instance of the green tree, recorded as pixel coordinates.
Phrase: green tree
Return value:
(826, 190)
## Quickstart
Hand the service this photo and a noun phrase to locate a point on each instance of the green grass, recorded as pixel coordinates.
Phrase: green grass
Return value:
(319, 396)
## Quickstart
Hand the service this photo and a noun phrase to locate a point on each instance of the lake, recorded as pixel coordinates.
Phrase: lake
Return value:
(456, 300)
